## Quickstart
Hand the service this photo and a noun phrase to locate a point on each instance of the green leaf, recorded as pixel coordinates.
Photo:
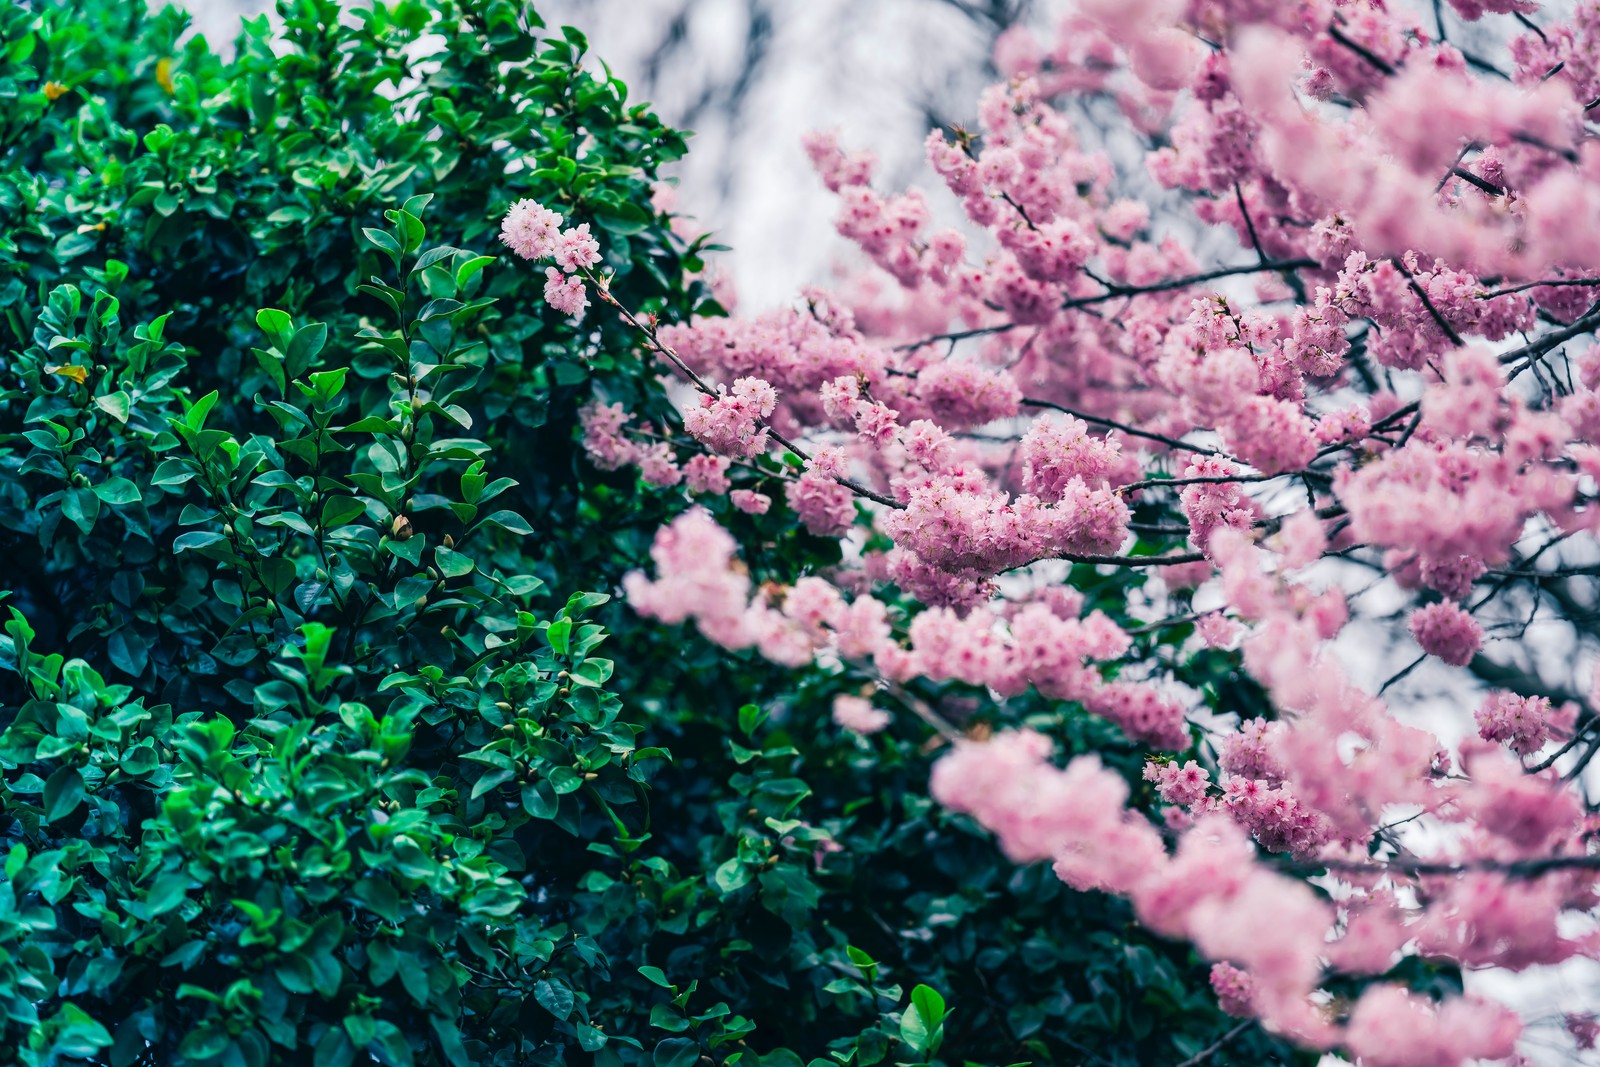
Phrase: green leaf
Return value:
(138, 762)
(277, 325)
(195, 417)
(386, 242)
(676, 1052)
(471, 267)
(929, 1004)
(203, 1043)
(558, 634)
(334, 1050)
(593, 672)
(556, 997)
(666, 1017)
(656, 975)
(117, 491)
(196, 539)
(731, 875)
(392, 1048)
(540, 800)
(411, 231)
(63, 792)
(339, 510)
(128, 650)
(589, 1038)
(452, 564)
(921, 1025)
(80, 1036)
(509, 521)
(450, 1044)
(81, 506)
(750, 717)
(114, 404)
(167, 892)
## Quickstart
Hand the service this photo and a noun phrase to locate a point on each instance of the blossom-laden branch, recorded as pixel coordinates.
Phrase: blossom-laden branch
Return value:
(1395, 390)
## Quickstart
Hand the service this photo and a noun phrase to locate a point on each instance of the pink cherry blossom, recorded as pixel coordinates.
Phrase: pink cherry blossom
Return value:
(530, 229)
(565, 292)
(1446, 630)
(857, 715)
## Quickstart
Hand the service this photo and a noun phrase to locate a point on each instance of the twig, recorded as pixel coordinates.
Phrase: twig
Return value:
(1427, 302)
(922, 709)
(1377, 61)
(1135, 561)
(1200, 479)
(1255, 242)
(1472, 179)
(1550, 282)
(1116, 290)
(1511, 868)
(1098, 420)
(1217, 1045)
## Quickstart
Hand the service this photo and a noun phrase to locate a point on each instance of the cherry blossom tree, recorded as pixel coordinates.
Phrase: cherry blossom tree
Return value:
(1341, 357)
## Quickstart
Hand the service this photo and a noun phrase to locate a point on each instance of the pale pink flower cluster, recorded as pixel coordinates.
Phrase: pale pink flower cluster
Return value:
(1262, 805)
(731, 422)
(750, 502)
(955, 522)
(1183, 784)
(1234, 989)
(1277, 820)
(1211, 890)
(531, 230)
(818, 500)
(535, 232)
(1448, 631)
(699, 578)
(565, 292)
(1390, 1027)
(1056, 451)
(1213, 502)
(1523, 723)
(857, 715)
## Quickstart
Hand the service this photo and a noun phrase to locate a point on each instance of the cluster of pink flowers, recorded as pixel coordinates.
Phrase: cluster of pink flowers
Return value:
(1373, 382)
(1210, 890)
(1042, 646)
(1447, 630)
(857, 715)
(535, 232)
(730, 422)
(1262, 805)
(1523, 723)
(1234, 989)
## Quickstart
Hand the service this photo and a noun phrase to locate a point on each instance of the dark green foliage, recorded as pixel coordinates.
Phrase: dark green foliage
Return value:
(308, 757)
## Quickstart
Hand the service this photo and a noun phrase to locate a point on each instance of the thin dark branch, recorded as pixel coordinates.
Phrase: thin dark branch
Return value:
(1427, 302)
(1521, 869)
(1217, 1045)
(1377, 61)
(1472, 179)
(1098, 420)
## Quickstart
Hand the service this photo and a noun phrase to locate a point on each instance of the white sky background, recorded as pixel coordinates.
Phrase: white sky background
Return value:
(881, 72)
(863, 68)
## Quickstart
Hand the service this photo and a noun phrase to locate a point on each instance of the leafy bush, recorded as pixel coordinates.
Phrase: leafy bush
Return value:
(308, 755)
